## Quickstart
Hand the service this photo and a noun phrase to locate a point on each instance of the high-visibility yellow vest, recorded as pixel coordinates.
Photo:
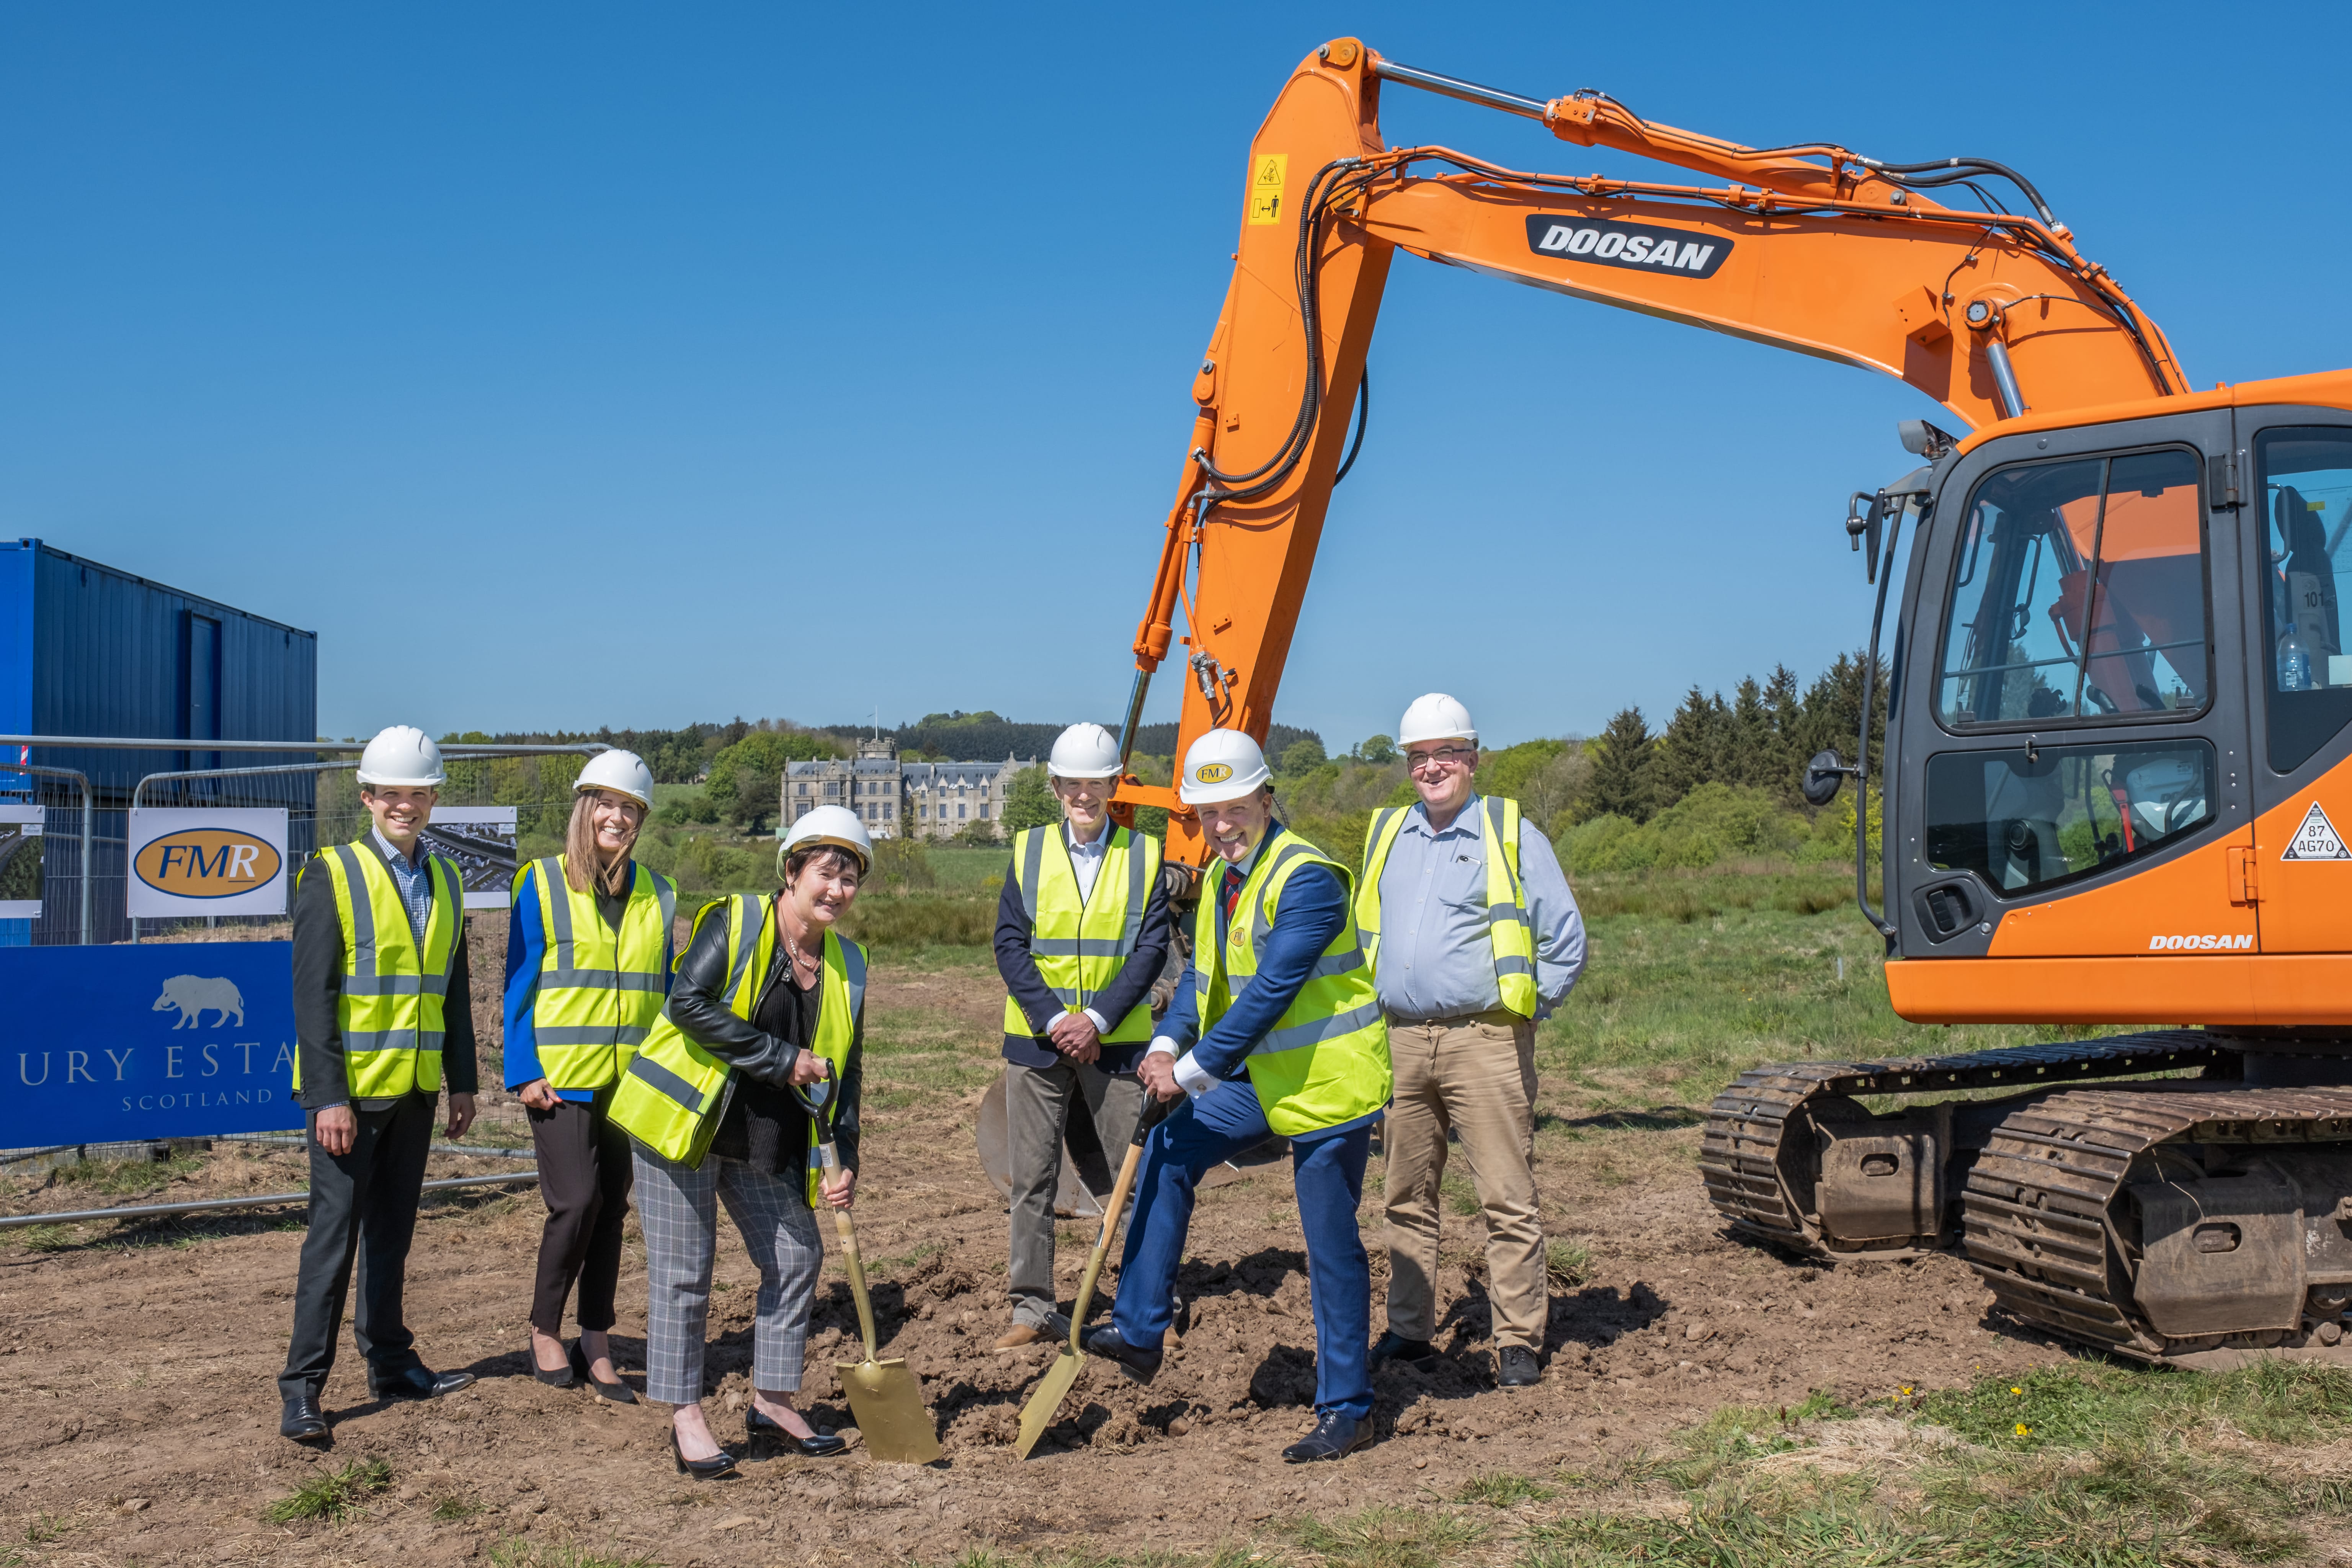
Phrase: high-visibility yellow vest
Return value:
(673, 1094)
(1508, 935)
(393, 996)
(1326, 1060)
(1080, 944)
(599, 991)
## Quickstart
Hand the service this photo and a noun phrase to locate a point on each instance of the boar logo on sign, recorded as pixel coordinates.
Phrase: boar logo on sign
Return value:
(206, 863)
(195, 996)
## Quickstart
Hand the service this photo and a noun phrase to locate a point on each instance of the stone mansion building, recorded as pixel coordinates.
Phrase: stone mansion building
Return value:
(896, 799)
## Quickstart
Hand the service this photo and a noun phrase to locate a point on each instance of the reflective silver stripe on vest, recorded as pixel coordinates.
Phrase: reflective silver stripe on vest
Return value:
(362, 980)
(668, 893)
(1325, 966)
(1031, 875)
(1296, 849)
(599, 979)
(1514, 967)
(559, 905)
(666, 1084)
(593, 1035)
(853, 964)
(747, 927)
(1137, 893)
(1082, 947)
(358, 1042)
(1499, 912)
(1316, 1033)
(1378, 839)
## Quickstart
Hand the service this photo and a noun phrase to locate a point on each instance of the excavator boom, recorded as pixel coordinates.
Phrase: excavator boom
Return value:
(1812, 248)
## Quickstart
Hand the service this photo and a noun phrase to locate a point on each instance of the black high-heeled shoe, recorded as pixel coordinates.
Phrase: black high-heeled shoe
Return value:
(618, 1392)
(709, 1469)
(823, 1446)
(562, 1377)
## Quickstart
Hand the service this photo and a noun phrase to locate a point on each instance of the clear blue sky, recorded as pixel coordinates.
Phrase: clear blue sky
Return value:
(579, 364)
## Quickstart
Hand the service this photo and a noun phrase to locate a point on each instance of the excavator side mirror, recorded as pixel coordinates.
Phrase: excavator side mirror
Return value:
(1867, 528)
(1823, 774)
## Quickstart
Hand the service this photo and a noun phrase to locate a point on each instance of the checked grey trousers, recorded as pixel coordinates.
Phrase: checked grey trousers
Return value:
(679, 1208)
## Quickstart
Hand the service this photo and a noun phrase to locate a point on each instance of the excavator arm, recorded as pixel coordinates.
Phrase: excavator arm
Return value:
(1811, 247)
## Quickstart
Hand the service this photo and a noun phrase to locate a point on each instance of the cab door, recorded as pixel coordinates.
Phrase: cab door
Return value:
(2290, 472)
(2075, 733)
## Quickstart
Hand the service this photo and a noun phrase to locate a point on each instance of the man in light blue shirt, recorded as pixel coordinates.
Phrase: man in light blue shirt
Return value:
(1467, 960)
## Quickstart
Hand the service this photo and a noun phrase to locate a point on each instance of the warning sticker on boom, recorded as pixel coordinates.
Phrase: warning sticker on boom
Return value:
(2316, 839)
(1267, 172)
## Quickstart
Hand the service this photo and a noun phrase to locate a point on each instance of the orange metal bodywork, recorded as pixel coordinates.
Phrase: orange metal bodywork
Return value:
(1820, 255)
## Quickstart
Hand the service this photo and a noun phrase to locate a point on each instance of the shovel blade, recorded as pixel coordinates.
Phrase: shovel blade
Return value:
(889, 1404)
(1038, 1414)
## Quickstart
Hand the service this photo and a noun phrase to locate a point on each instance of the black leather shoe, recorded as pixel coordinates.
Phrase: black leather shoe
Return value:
(303, 1421)
(618, 1392)
(562, 1377)
(1394, 1346)
(1141, 1365)
(417, 1382)
(823, 1446)
(1516, 1367)
(1335, 1437)
(711, 1470)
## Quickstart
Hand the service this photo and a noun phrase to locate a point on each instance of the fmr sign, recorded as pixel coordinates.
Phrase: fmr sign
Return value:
(156, 1040)
(218, 861)
(1643, 246)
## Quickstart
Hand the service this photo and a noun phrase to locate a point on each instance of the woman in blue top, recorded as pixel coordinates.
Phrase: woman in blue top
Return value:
(589, 952)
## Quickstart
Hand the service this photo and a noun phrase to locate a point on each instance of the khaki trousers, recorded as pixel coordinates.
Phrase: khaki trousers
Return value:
(1476, 1079)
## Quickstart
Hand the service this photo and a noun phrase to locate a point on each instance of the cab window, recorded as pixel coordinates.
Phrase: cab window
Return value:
(2306, 501)
(2035, 816)
(2079, 594)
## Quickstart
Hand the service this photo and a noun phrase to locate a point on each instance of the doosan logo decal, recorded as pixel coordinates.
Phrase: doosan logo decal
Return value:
(206, 863)
(1642, 247)
(2208, 943)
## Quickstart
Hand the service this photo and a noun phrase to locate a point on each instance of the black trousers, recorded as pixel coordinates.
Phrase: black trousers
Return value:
(362, 1206)
(586, 1173)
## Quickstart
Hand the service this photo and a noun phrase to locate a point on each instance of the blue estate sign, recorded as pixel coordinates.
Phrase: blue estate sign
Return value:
(164, 1040)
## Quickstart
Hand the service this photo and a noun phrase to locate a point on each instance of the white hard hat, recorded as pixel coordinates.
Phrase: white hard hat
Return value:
(623, 772)
(402, 757)
(834, 825)
(1223, 764)
(1084, 751)
(1436, 717)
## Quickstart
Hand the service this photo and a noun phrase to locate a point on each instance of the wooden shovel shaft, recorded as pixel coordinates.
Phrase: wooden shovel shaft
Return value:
(847, 1228)
(1102, 1240)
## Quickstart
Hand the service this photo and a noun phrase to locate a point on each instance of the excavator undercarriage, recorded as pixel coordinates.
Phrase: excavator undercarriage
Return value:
(2186, 1219)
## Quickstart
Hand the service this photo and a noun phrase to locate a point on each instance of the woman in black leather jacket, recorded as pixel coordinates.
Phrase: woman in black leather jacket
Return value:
(758, 1157)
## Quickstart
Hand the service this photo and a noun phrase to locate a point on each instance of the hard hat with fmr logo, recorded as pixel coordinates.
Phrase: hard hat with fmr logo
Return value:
(1223, 764)
(1084, 751)
(834, 825)
(402, 757)
(1435, 717)
(623, 772)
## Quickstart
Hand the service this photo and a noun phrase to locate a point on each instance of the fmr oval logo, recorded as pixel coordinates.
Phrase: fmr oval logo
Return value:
(1211, 773)
(206, 863)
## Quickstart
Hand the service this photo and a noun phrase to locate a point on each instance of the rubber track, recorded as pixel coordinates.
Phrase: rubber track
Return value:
(2034, 1216)
(1739, 1152)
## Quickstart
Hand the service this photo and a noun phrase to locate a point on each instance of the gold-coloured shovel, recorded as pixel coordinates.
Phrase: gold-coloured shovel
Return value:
(883, 1394)
(1038, 1413)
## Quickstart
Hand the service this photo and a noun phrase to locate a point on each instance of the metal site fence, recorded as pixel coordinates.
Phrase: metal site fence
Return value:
(80, 866)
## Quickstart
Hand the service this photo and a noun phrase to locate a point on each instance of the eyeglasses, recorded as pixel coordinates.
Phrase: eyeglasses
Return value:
(1416, 761)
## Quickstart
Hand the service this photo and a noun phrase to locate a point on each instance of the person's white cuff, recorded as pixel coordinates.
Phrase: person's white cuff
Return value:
(1162, 1045)
(1191, 1079)
(1102, 1024)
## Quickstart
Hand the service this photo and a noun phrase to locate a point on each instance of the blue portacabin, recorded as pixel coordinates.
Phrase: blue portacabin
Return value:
(161, 1040)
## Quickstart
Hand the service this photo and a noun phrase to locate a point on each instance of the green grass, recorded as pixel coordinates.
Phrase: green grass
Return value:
(125, 1178)
(1567, 1263)
(1503, 1491)
(517, 1552)
(453, 1509)
(1389, 1537)
(920, 1055)
(331, 1495)
(892, 923)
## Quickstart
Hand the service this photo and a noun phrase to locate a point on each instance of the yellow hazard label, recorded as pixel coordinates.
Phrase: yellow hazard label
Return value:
(1267, 172)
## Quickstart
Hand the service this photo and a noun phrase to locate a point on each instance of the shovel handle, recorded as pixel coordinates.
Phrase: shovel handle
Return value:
(1155, 1110)
(844, 1227)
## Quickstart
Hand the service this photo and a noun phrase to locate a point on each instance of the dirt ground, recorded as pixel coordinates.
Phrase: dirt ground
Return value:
(138, 1409)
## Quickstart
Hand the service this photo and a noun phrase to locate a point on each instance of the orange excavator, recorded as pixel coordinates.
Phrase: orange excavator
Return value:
(2117, 719)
